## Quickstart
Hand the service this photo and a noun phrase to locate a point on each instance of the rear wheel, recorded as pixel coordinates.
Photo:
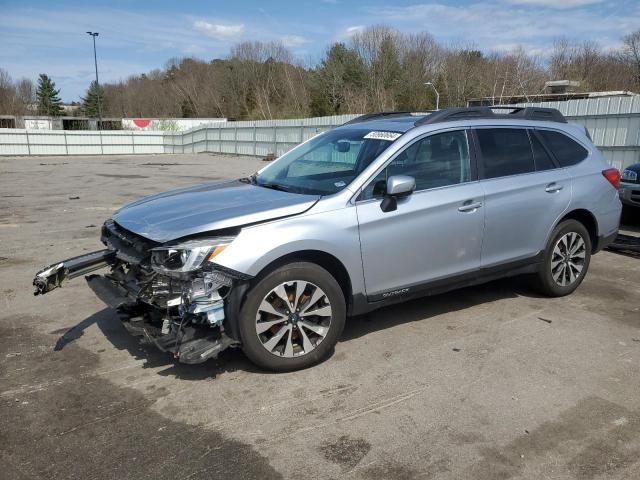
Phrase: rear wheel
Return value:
(292, 318)
(566, 260)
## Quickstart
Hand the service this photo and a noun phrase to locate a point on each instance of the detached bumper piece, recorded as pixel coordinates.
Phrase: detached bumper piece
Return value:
(52, 277)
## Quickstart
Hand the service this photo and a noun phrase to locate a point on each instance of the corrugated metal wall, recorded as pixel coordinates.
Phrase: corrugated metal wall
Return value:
(15, 141)
(258, 138)
(613, 122)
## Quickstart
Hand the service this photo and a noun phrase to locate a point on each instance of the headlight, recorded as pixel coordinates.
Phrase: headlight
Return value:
(188, 256)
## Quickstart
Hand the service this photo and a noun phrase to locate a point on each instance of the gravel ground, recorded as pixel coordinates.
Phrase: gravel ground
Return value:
(490, 382)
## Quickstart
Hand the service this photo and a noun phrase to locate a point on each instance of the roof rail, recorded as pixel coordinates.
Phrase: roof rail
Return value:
(472, 113)
(371, 116)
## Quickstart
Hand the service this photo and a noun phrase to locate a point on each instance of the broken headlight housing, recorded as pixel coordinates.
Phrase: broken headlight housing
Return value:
(187, 256)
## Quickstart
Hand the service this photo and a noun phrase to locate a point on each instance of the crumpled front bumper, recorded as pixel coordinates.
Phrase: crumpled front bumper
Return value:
(185, 317)
(189, 344)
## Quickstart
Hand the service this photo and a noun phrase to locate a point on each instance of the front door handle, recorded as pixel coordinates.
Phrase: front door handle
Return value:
(553, 188)
(469, 206)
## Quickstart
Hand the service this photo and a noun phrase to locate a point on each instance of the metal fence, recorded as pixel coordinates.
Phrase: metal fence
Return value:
(257, 138)
(15, 141)
(614, 124)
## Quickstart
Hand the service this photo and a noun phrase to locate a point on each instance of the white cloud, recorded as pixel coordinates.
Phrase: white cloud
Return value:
(492, 26)
(355, 29)
(217, 30)
(351, 31)
(557, 4)
(293, 40)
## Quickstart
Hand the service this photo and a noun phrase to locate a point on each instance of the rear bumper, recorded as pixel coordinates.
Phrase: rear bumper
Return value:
(605, 241)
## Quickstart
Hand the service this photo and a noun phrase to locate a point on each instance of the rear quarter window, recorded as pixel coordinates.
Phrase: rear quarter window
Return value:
(567, 151)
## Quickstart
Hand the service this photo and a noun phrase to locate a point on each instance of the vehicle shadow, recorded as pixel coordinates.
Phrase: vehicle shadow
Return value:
(109, 323)
(232, 359)
(422, 309)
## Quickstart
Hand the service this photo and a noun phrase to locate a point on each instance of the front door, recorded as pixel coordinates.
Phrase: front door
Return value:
(436, 232)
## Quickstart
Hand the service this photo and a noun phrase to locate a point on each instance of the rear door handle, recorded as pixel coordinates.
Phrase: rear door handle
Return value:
(469, 206)
(553, 188)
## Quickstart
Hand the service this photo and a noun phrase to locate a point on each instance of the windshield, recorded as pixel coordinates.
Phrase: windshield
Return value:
(327, 163)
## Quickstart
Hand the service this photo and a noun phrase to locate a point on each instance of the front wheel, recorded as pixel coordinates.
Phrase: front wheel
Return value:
(566, 260)
(292, 318)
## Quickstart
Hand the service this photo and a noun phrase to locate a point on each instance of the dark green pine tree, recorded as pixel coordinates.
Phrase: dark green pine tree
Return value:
(93, 102)
(49, 102)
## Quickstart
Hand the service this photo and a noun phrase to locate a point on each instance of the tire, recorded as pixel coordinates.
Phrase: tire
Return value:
(292, 317)
(559, 275)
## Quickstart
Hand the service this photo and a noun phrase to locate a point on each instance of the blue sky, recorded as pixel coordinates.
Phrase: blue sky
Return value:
(135, 37)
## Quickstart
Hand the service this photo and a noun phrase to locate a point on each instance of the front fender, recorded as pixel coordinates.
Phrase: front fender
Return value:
(334, 232)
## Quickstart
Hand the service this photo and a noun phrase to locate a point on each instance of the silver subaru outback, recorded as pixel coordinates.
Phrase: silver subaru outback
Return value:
(384, 208)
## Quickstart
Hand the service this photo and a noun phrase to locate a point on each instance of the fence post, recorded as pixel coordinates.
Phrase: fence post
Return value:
(255, 140)
(66, 147)
(275, 140)
(235, 139)
(28, 142)
(133, 142)
(101, 146)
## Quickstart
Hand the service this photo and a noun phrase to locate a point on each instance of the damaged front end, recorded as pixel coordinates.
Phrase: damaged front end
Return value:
(172, 296)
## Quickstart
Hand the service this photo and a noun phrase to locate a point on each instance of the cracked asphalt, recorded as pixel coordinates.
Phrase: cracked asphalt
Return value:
(490, 382)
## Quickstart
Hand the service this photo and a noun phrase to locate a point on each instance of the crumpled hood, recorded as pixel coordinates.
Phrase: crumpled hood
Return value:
(203, 208)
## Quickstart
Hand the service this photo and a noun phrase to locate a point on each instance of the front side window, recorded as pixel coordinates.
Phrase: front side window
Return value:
(505, 151)
(434, 161)
(326, 164)
(567, 151)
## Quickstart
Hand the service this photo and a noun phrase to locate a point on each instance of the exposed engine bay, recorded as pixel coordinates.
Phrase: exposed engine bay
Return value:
(171, 296)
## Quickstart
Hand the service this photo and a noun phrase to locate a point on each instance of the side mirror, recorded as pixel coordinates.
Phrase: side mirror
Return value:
(397, 186)
(342, 146)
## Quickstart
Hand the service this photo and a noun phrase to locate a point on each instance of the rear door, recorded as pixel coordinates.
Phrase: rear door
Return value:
(436, 232)
(525, 193)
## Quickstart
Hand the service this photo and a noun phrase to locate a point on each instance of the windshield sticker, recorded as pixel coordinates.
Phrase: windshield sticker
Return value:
(391, 136)
(340, 184)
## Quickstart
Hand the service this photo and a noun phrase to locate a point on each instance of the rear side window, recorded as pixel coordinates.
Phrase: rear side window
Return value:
(505, 151)
(567, 151)
(542, 158)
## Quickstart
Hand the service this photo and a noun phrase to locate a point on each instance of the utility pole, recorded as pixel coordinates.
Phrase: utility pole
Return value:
(95, 61)
(437, 94)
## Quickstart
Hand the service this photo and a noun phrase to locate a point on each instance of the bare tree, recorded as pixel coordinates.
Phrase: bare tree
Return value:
(631, 52)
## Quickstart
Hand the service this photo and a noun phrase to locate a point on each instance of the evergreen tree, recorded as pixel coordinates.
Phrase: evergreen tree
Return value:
(93, 102)
(49, 102)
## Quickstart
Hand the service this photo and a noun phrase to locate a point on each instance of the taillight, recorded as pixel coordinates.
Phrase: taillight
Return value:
(613, 177)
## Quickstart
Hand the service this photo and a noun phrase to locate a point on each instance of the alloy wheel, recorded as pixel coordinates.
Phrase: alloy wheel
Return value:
(567, 260)
(293, 319)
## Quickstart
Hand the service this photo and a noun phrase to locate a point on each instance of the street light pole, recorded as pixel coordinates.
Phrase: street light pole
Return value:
(95, 61)
(437, 94)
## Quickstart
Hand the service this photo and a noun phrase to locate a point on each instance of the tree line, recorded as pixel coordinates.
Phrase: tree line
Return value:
(377, 69)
